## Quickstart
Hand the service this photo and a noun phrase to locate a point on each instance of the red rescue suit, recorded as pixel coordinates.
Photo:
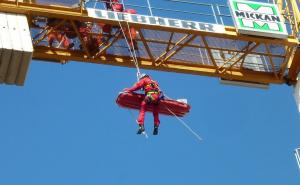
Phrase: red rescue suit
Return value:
(117, 7)
(58, 34)
(60, 37)
(152, 96)
(110, 3)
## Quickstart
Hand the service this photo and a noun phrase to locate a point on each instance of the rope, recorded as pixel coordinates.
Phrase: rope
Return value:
(132, 43)
(133, 54)
(185, 125)
(181, 121)
(144, 133)
(131, 113)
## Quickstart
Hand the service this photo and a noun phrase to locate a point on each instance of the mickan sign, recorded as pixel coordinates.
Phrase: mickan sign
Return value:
(153, 20)
(255, 18)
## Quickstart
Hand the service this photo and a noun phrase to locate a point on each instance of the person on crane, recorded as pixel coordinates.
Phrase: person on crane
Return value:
(58, 34)
(107, 28)
(116, 7)
(91, 41)
(152, 96)
(110, 4)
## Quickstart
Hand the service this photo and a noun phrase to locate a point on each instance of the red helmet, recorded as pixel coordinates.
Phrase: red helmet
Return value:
(118, 7)
(131, 11)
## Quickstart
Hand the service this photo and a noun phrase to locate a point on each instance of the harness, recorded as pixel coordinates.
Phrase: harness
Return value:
(152, 92)
(152, 88)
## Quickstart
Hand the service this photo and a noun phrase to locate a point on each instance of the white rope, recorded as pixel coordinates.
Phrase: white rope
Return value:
(297, 150)
(185, 125)
(133, 54)
(62, 40)
(181, 121)
(144, 133)
(149, 7)
(132, 43)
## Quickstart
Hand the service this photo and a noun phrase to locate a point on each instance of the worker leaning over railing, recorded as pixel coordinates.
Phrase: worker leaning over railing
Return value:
(114, 5)
(58, 34)
(90, 40)
(129, 32)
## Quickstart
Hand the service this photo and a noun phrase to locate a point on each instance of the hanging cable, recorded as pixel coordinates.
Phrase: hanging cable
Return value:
(144, 133)
(133, 48)
(185, 125)
(133, 117)
(132, 53)
(181, 121)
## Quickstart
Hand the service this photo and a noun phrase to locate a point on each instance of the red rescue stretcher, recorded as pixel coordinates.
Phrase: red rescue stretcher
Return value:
(166, 106)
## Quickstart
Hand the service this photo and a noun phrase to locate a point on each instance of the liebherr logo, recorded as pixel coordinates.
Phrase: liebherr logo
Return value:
(255, 16)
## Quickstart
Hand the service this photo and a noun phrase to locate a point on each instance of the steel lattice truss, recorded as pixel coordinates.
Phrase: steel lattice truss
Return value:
(229, 55)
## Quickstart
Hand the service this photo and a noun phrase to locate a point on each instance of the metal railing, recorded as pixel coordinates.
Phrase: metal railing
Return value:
(177, 9)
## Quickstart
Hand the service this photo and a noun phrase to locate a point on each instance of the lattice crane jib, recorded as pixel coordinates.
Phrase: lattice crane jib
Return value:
(291, 14)
(209, 49)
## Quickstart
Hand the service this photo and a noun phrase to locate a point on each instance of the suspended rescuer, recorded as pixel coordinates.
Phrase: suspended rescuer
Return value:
(152, 97)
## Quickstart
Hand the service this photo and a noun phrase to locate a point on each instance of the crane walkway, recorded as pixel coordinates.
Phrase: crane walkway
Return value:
(163, 43)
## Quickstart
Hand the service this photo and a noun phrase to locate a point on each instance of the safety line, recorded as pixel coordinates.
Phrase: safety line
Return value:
(297, 156)
(185, 125)
(133, 54)
(144, 133)
(132, 42)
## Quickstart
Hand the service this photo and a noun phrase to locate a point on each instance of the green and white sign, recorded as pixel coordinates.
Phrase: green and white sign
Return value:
(255, 18)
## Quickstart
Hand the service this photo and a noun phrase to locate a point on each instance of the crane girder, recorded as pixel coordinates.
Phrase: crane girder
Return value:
(61, 56)
(227, 55)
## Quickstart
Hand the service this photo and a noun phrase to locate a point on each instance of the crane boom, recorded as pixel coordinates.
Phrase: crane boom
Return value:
(227, 54)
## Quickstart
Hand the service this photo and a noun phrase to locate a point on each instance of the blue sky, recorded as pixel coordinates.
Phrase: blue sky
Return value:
(64, 128)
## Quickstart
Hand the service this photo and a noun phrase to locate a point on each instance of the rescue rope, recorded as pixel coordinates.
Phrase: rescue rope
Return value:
(182, 122)
(132, 53)
(144, 133)
(185, 125)
(133, 117)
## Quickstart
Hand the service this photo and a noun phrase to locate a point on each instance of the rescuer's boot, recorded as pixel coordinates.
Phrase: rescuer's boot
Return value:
(141, 129)
(155, 130)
